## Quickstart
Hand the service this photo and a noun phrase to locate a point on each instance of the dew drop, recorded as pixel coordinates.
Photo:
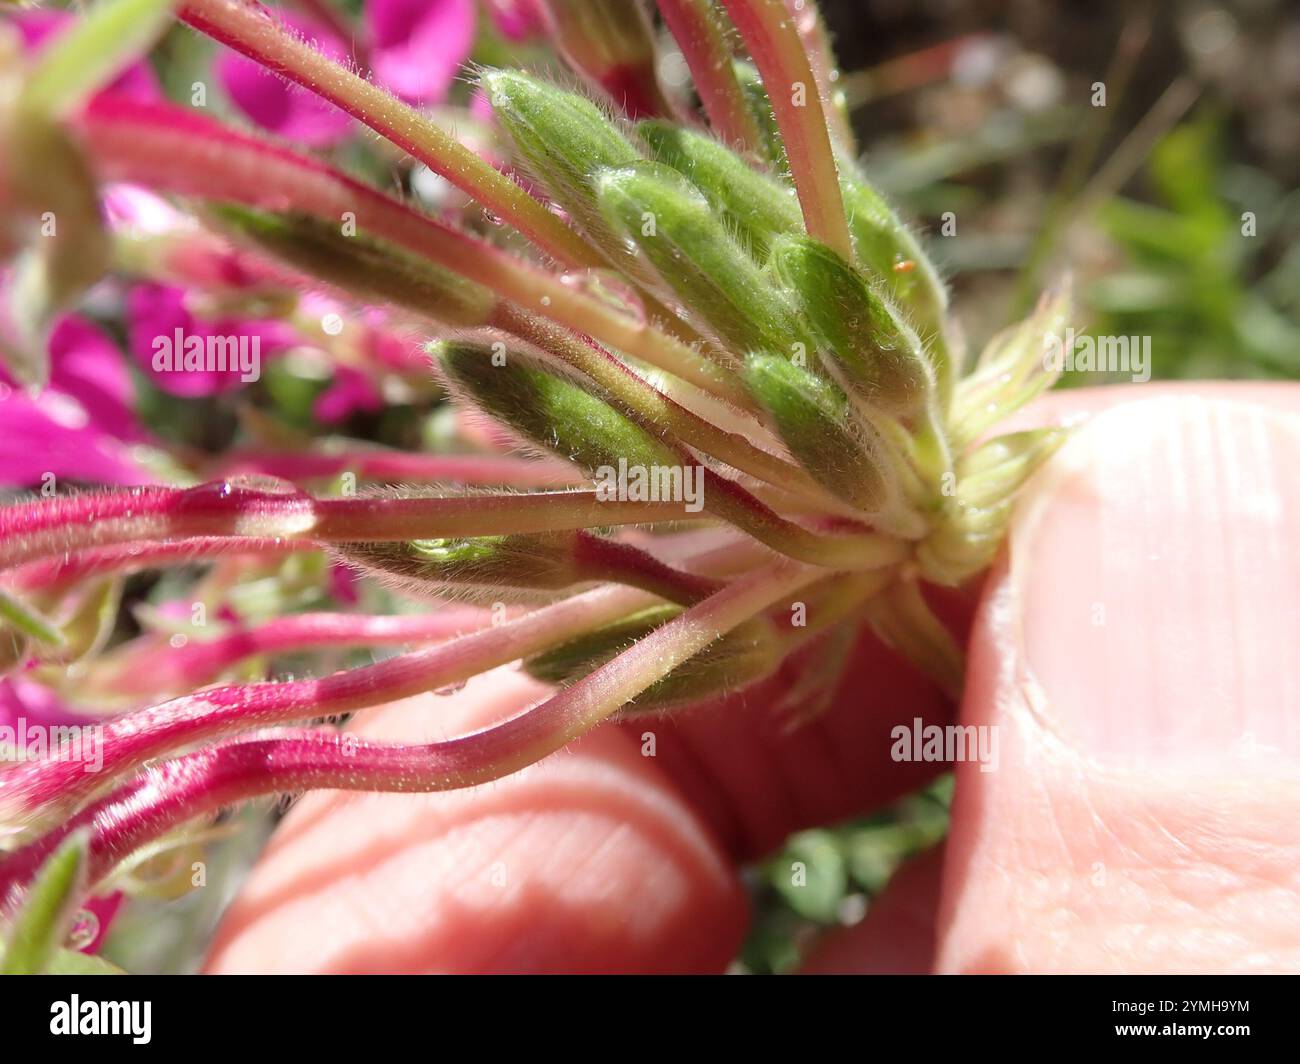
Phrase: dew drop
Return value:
(84, 930)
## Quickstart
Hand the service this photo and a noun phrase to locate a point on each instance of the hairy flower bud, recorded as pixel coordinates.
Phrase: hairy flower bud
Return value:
(672, 222)
(564, 139)
(817, 423)
(887, 247)
(542, 561)
(872, 350)
(363, 267)
(994, 471)
(758, 205)
(546, 407)
(742, 656)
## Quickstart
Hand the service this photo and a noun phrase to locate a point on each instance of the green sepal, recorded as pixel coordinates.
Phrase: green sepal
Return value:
(692, 250)
(760, 106)
(758, 206)
(996, 470)
(742, 656)
(547, 407)
(874, 352)
(507, 565)
(361, 266)
(42, 922)
(814, 417)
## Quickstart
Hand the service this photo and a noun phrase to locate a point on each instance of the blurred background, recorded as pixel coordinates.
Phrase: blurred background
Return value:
(1146, 152)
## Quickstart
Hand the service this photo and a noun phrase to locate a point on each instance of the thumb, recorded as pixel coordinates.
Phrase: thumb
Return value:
(1136, 661)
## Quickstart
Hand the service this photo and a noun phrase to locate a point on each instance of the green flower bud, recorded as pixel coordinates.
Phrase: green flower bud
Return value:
(758, 206)
(817, 423)
(549, 409)
(564, 139)
(518, 564)
(361, 266)
(760, 106)
(744, 655)
(675, 227)
(874, 352)
(887, 247)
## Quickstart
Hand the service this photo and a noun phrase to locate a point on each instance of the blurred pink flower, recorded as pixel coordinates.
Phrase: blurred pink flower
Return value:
(287, 110)
(349, 392)
(81, 426)
(415, 48)
(157, 314)
(418, 45)
(516, 20)
(37, 28)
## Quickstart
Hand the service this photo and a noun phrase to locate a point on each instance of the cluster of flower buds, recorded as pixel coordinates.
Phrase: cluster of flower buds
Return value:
(728, 363)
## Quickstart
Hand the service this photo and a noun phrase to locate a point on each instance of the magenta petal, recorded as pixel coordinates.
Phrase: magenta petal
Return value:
(287, 110)
(50, 438)
(159, 322)
(516, 20)
(419, 45)
(38, 27)
(350, 391)
(86, 365)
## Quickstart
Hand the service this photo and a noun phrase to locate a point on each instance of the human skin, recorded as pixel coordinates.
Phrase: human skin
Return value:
(1135, 646)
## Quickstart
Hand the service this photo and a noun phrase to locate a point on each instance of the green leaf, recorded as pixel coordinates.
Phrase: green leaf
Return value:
(91, 53)
(42, 922)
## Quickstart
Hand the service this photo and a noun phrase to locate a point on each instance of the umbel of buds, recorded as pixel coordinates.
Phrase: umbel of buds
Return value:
(674, 290)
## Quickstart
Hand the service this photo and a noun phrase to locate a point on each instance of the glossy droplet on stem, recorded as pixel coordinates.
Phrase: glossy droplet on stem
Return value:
(84, 930)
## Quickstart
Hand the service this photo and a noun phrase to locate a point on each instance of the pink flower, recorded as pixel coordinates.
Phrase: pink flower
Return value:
(418, 45)
(415, 49)
(37, 28)
(287, 110)
(349, 392)
(81, 426)
(516, 20)
(161, 326)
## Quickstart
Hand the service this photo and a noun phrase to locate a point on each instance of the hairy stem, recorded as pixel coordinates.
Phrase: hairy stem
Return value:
(250, 30)
(773, 41)
(698, 27)
(173, 150)
(200, 783)
(48, 788)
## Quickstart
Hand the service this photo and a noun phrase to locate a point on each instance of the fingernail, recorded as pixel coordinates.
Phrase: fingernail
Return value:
(1158, 579)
